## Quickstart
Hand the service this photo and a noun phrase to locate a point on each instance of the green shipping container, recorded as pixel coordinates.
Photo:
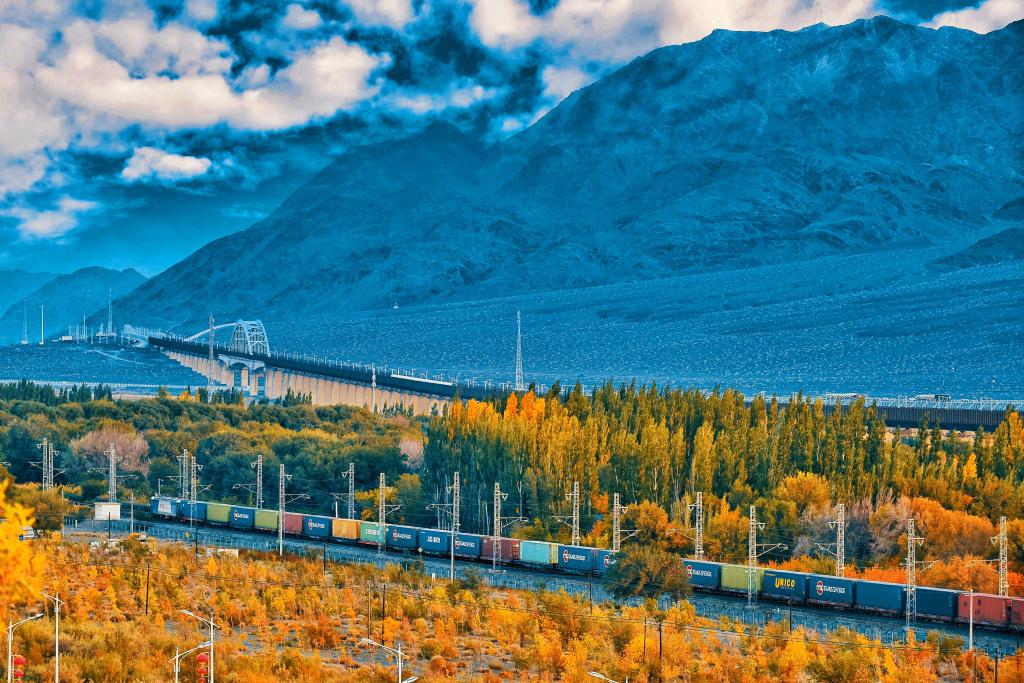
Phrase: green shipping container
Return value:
(266, 519)
(538, 552)
(218, 513)
(734, 578)
(369, 532)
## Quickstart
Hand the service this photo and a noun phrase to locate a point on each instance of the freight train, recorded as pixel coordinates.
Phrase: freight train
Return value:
(933, 604)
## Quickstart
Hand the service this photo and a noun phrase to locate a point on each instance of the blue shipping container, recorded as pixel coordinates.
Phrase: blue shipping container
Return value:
(789, 585)
(435, 542)
(605, 559)
(705, 574)
(316, 527)
(879, 595)
(937, 603)
(575, 557)
(402, 537)
(196, 511)
(831, 590)
(468, 545)
(241, 517)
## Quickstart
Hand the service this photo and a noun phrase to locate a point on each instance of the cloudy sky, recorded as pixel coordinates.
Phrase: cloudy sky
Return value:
(134, 131)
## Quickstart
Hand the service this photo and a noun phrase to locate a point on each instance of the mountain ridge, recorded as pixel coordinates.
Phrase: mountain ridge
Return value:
(741, 149)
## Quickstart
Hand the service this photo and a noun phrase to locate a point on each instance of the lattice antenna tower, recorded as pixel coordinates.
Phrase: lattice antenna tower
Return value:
(520, 384)
(573, 521)
(1004, 576)
(618, 533)
(350, 497)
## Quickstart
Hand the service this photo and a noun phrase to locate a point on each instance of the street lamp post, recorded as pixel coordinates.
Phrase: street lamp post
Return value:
(208, 622)
(178, 656)
(602, 677)
(10, 640)
(398, 655)
(57, 602)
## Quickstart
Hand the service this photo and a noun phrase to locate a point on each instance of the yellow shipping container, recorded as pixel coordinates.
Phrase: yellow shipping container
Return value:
(345, 528)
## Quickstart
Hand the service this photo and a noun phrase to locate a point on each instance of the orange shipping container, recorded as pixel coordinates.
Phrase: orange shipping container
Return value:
(345, 528)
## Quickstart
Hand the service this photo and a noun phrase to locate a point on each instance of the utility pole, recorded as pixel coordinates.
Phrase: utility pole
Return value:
(183, 469)
(373, 388)
(209, 376)
(838, 549)
(351, 496)
(520, 384)
(46, 464)
(282, 500)
(256, 488)
(382, 512)
(112, 461)
(455, 489)
(618, 533)
(1004, 577)
(42, 333)
(24, 322)
(755, 550)
(574, 521)
(698, 532)
(57, 602)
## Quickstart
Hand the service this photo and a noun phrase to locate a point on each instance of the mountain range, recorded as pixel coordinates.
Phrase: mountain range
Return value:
(67, 299)
(739, 150)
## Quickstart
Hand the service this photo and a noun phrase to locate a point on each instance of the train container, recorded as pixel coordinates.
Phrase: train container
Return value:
(508, 549)
(241, 517)
(576, 557)
(193, 510)
(164, 507)
(370, 533)
(293, 523)
(830, 590)
(266, 520)
(1017, 612)
(345, 529)
(704, 574)
(786, 585)
(936, 603)
(538, 552)
(218, 513)
(734, 578)
(879, 596)
(468, 545)
(314, 526)
(435, 542)
(605, 560)
(993, 610)
(402, 537)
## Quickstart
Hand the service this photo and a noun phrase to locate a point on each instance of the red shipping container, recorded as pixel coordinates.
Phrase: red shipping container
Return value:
(988, 609)
(509, 550)
(1017, 611)
(293, 523)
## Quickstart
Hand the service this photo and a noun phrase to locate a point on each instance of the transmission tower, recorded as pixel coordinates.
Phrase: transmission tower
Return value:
(110, 312)
(183, 469)
(452, 509)
(42, 327)
(819, 11)
(24, 323)
(838, 549)
(1004, 581)
(111, 472)
(520, 385)
(913, 540)
(755, 550)
(382, 512)
(257, 488)
(574, 520)
(500, 523)
(698, 523)
(49, 455)
(351, 496)
(618, 533)
(283, 499)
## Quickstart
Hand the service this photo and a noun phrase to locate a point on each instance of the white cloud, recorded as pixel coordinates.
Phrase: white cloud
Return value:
(152, 163)
(611, 31)
(393, 13)
(560, 82)
(299, 18)
(459, 96)
(52, 223)
(201, 11)
(989, 16)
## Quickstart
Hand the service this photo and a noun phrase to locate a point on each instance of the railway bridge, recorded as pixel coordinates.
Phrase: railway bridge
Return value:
(248, 363)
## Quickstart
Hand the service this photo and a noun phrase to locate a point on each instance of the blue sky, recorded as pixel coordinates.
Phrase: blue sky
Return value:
(133, 132)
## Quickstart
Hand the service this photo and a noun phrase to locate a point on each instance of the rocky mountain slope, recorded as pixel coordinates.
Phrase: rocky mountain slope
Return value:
(740, 150)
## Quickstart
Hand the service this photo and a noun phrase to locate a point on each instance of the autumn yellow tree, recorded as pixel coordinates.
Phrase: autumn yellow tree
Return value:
(21, 569)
